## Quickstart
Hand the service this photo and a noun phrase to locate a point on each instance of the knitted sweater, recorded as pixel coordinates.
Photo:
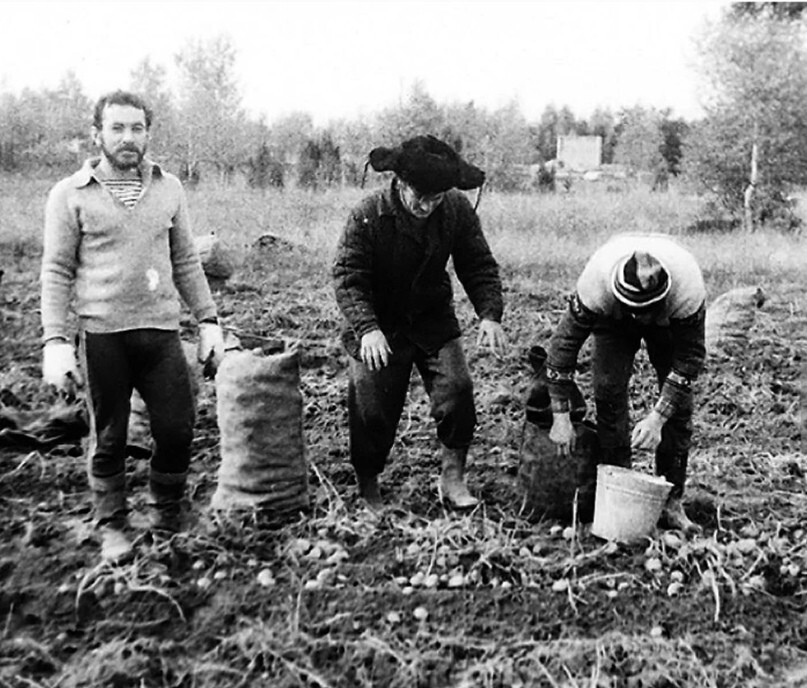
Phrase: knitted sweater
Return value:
(594, 302)
(127, 266)
(687, 291)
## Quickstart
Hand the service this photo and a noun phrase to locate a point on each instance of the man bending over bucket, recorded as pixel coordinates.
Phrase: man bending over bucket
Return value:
(634, 288)
(393, 289)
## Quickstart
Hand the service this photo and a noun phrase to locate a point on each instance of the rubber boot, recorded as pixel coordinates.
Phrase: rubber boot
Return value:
(452, 480)
(673, 517)
(369, 492)
(109, 501)
(585, 501)
(166, 492)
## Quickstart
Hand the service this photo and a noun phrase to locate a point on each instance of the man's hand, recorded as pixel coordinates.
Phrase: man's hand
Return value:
(562, 433)
(647, 432)
(375, 350)
(60, 368)
(492, 333)
(211, 346)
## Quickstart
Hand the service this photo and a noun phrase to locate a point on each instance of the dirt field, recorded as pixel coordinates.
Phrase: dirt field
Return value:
(421, 596)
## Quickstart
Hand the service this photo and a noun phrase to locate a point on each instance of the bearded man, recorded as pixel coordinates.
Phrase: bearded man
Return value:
(117, 236)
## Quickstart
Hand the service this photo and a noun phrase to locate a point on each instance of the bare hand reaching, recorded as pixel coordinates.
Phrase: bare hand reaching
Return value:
(492, 334)
(562, 433)
(647, 432)
(375, 350)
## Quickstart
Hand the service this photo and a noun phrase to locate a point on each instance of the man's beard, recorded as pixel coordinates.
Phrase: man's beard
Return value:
(127, 163)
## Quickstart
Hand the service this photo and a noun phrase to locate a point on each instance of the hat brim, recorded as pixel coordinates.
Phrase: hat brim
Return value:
(637, 299)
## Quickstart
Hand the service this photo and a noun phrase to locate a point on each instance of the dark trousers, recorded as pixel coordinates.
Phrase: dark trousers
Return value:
(376, 400)
(151, 361)
(615, 346)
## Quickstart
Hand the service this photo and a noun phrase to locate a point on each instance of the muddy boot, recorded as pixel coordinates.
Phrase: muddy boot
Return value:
(166, 492)
(673, 517)
(452, 480)
(109, 500)
(369, 492)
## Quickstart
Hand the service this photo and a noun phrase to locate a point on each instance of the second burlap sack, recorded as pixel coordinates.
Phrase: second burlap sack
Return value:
(551, 485)
(260, 408)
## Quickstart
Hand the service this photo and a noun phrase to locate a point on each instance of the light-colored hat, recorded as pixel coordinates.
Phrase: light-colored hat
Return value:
(640, 281)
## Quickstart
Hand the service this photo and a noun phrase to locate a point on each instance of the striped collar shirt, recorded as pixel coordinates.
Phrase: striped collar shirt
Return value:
(127, 191)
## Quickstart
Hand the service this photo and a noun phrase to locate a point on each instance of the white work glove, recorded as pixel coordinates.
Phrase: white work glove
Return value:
(211, 346)
(60, 368)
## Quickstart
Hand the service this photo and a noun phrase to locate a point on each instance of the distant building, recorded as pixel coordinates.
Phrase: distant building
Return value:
(579, 153)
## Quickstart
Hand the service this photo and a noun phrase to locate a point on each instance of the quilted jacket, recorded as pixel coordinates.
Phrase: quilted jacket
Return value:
(390, 271)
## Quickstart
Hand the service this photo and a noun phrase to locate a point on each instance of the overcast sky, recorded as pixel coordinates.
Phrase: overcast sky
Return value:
(337, 59)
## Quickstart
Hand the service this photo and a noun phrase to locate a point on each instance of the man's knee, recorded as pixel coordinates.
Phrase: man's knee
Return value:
(453, 396)
(461, 387)
(173, 432)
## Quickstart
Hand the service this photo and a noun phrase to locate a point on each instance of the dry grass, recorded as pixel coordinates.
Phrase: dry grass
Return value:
(533, 231)
(525, 230)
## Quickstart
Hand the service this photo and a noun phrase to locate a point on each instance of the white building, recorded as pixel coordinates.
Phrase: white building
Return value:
(579, 153)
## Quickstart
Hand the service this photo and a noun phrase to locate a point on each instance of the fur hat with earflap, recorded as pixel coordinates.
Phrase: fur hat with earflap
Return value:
(427, 164)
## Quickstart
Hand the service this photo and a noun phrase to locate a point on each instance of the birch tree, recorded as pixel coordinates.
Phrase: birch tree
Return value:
(211, 121)
(149, 81)
(753, 143)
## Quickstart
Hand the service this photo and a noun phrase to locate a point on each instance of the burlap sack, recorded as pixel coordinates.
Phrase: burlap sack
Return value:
(548, 482)
(218, 261)
(731, 315)
(260, 410)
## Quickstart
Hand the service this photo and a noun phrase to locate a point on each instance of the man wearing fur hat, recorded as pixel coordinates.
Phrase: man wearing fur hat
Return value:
(392, 287)
(634, 288)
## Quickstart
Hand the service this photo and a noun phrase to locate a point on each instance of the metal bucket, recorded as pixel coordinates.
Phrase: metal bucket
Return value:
(627, 503)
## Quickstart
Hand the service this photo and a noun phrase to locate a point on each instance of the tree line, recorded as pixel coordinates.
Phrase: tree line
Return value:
(202, 130)
(748, 150)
